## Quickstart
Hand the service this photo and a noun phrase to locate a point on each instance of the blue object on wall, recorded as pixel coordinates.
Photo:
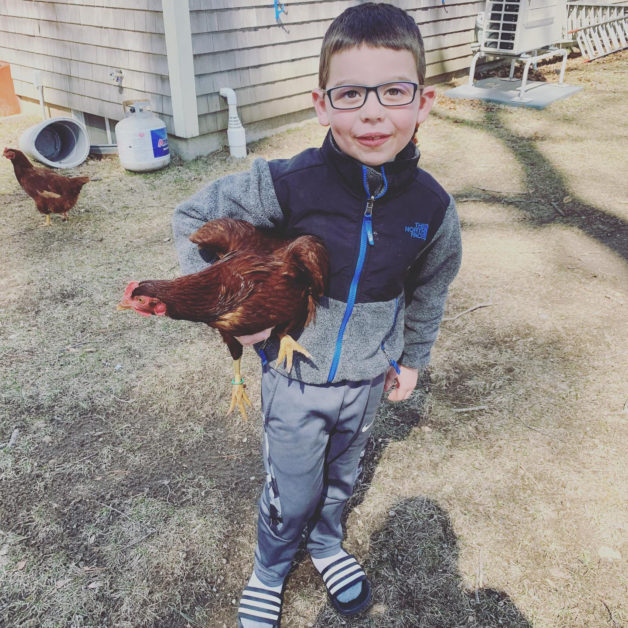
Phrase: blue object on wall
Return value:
(279, 9)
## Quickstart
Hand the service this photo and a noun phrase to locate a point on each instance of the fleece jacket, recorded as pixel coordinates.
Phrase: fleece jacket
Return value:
(393, 237)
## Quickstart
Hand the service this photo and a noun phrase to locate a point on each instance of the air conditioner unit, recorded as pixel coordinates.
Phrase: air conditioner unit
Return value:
(512, 27)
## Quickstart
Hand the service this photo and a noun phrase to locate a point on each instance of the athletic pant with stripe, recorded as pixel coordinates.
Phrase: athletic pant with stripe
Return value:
(313, 439)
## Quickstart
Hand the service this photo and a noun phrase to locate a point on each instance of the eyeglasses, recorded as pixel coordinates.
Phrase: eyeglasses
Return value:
(396, 94)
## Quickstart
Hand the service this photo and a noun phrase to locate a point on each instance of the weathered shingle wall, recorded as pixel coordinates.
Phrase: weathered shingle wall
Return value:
(236, 43)
(76, 44)
(273, 67)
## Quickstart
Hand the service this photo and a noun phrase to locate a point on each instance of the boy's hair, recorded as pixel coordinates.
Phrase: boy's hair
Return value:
(376, 26)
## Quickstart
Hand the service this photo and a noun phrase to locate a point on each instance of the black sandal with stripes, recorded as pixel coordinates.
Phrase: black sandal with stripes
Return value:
(260, 605)
(341, 575)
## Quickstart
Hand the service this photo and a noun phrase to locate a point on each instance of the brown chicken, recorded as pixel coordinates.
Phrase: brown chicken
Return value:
(260, 281)
(53, 193)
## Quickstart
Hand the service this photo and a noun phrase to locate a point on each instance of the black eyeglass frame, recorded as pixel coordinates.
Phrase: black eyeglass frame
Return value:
(370, 89)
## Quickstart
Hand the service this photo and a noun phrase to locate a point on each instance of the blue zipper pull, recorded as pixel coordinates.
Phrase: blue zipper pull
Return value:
(368, 220)
(262, 356)
(392, 362)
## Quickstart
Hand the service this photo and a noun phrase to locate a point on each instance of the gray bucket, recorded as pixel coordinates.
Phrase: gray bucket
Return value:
(57, 142)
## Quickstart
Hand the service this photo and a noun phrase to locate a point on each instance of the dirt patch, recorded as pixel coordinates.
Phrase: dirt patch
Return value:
(495, 496)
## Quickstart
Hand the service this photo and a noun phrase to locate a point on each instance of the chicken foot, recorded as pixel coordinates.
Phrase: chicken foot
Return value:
(239, 398)
(287, 346)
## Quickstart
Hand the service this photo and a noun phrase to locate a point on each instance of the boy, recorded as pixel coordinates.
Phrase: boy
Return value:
(394, 242)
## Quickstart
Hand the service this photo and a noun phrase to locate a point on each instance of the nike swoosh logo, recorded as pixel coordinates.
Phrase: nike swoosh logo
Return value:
(366, 427)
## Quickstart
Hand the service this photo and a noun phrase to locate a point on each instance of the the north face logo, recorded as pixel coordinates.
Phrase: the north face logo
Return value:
(417, 231)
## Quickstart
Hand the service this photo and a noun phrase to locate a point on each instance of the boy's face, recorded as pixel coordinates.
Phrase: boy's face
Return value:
(372, 134)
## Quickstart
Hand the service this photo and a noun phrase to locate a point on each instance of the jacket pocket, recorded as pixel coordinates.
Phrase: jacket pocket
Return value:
(389, 337)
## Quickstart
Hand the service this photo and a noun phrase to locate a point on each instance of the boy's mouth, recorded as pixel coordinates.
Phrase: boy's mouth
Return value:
(372, 139)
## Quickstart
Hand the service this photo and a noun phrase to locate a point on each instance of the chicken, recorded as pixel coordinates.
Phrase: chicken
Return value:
(260, 281)
(53, 193)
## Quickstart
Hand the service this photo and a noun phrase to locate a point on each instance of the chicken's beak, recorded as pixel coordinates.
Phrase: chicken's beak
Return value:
(125, 302)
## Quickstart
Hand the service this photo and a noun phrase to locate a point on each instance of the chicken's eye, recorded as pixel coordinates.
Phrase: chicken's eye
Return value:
(140, 299)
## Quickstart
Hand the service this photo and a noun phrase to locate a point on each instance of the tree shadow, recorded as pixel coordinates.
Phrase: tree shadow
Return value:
(413, 568)
(543, 184)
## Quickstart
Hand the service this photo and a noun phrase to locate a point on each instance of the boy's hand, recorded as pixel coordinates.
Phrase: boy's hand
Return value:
(251, 339)
(401, 385)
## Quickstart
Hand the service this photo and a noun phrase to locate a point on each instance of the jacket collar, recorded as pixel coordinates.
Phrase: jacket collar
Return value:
(398, 172)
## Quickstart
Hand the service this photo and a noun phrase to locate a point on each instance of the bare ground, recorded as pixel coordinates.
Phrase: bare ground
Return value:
(495, 497)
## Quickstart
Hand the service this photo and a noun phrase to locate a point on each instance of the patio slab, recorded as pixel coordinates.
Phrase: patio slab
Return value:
(505, 91)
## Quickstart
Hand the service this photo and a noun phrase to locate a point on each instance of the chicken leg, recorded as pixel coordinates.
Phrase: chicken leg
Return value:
(239, 398)
(287, 346)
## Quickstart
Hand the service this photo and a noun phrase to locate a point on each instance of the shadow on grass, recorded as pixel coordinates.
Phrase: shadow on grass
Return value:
(413, 567)
(545, 186)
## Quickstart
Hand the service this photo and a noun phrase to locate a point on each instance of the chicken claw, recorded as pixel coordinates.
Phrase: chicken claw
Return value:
(287, 346)
(239, 398)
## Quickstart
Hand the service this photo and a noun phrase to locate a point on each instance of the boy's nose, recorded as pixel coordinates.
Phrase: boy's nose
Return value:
(372, 107)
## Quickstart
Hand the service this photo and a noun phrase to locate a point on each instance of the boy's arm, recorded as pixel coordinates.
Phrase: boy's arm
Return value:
(425, 300)
(246, 195)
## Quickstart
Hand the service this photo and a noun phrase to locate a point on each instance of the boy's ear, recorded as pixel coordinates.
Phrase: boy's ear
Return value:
(320, 106)
(428, 97)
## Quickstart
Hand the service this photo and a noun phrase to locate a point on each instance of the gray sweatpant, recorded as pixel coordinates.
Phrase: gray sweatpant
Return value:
(313, 439)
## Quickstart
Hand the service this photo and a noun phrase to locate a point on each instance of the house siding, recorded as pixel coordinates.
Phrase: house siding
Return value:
(76, 44)
(236, 43)
(274, 67)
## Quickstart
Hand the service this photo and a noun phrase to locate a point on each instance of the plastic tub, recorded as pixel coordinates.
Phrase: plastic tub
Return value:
(57, 142)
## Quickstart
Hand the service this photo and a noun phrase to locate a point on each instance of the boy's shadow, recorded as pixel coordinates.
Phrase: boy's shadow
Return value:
(413, 567)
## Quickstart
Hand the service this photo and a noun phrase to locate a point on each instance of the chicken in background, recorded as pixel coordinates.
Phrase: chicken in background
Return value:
(53, 193)
(260, 281)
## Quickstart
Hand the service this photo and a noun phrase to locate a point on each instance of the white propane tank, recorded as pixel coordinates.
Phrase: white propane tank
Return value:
(142, 138)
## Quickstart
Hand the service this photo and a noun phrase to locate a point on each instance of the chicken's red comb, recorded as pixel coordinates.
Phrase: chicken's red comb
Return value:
(129, 289)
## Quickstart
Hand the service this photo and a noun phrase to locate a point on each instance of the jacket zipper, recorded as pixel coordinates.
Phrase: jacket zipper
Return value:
(366, 236)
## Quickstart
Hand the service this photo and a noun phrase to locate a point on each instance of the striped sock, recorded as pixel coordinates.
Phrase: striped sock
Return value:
(349, 594)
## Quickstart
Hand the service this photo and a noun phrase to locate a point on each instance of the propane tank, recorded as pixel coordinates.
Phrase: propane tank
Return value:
(142, 138)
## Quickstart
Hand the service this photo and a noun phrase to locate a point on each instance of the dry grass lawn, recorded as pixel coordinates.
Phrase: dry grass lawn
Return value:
(495, 497)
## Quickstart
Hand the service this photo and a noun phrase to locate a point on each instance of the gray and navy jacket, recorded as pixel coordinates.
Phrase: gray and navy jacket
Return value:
(393, 238)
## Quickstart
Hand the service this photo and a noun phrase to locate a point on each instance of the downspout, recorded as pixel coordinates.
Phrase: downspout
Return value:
(235, 131)
(178, 35)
